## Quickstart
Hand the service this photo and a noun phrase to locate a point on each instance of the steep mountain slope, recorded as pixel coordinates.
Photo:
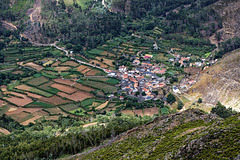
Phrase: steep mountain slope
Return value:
(191, 134)
(229, 10)
(221, 82)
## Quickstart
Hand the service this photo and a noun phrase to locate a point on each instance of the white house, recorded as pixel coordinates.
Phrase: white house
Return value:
(122, 69)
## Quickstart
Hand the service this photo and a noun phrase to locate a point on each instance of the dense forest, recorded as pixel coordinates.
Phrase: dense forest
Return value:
(93, 26)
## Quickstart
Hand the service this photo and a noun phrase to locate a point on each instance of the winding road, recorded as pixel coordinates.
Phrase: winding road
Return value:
(67, 54)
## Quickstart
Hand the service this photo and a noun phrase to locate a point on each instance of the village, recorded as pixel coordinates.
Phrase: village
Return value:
(147, 77)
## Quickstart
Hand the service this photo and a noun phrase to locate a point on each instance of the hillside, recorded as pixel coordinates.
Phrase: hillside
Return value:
(191, 134)
(221, 82)
(229, 11)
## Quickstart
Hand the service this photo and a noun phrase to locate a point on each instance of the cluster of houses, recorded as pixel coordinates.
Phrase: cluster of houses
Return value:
(140, 82)
(146, 78)
(185, 61)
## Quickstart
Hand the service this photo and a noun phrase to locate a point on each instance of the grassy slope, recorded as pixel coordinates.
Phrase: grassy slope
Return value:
(188, 135)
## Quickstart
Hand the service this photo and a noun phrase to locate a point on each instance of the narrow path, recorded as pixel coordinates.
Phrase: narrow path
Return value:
(6, 69)
(104, 4)
(9, 25)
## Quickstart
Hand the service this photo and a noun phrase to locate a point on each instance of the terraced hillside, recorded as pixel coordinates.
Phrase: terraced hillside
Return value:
(221, 82)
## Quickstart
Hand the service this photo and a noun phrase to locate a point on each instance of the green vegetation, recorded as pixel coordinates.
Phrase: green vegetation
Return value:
(39, 104)
(41, 137)
(104, 79)
(222, 111)
(37, 81)
(171, 98)
(101, 86)
(180, 105)
(154, 141)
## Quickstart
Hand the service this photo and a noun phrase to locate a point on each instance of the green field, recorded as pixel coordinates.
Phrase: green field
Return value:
(39, 104)
(96, 51)
(22, 5)
(37, 81)
(87, 102)
(99, 85)
(69, 107)
(105, 79)
(83, 3)
(47, 87)
(64, 59)
(207, 54)
(78, 111)
(164, 110)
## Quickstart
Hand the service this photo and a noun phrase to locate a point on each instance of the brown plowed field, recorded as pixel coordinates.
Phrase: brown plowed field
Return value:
(81, 68)
(19, 100)
(52, 118)
(82, 87)
(139, 112)
(22, 116)
(64, 88)
(55, 100)
(56, 64)
(151, 111)
(92, 73)
(128, 112)
(70, 63)
(34, 66)
(95, 62)
(4, 131)
(30, 120)
(56, 111)
(85, 70)
(37, 115)
(64, 81)
(192, 70)
(102, 105)
(33, 95)
(17, 110)
(106, 61)
(78, 96)
(62, 68)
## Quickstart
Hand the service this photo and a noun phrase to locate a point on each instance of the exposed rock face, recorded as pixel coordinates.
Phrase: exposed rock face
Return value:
(221, 82)
(229, 10)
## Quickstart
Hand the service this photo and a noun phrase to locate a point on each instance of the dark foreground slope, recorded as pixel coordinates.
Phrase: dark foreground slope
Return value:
(188, 135)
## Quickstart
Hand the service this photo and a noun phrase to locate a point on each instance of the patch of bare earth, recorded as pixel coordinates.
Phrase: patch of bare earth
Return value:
(4, 131)
(77, 96)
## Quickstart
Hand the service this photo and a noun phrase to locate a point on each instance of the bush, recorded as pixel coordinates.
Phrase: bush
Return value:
(222, 111)
(171, 98)
(180, 105)
(200, 100)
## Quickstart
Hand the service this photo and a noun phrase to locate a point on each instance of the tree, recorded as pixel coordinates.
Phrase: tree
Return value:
(2, 56)
(155, 92)
(68, 46)
(137, 93)
(222, 111)
(200, 100)
(180, 105)
(171, 98)
(143, 93)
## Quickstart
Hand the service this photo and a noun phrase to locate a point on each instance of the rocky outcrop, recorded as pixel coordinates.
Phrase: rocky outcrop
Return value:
(221, 82)
(229, 10)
